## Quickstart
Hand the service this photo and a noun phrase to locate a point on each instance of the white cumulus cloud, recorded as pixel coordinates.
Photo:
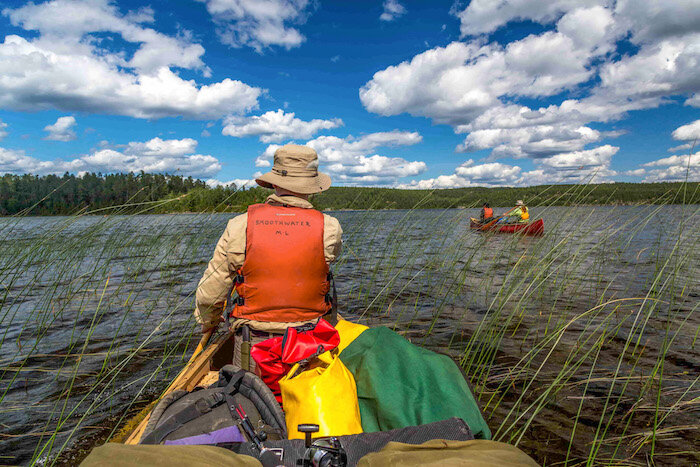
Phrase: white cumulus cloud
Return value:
(681, 147)
(238, 183)
(457, 83)
(17, 162)
(484, 16)
(162, 148)
(658, 71)
(534, 141)
(651, 20)
(689, 132)
(392, 10)
(334, 149)
(674, 161)
(471, 174)
(155, 155)
(68, 21)
(597, 158)
(575, 63)
(586, 166)
(275, 126)
(67, 65)
(673, 169)
(493, 173)
(3, 130)
(259, 23)
(375, 169)
(62, 130)
(353, 161)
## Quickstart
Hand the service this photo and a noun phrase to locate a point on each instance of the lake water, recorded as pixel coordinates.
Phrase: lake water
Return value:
(96, 315)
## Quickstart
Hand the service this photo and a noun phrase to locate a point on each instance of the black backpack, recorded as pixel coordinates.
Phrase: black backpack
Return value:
(184, 417)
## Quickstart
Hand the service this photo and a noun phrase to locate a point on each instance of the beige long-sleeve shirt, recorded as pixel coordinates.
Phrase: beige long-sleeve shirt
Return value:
(229, 255)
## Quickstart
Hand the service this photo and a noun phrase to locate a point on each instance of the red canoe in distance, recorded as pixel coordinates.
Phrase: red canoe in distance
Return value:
(534, 228)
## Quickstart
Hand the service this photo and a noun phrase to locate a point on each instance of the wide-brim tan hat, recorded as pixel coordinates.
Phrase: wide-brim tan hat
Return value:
(520, 203)
(296, 169)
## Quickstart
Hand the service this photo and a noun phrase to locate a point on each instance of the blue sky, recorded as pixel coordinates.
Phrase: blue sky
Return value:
(389, 93)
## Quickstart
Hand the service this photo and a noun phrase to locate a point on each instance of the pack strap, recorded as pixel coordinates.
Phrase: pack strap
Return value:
(234, 383)
(200, 407)
(333, 314)
(229, 304)
(245, 347)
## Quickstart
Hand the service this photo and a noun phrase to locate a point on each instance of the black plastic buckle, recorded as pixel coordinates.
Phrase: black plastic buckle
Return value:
(240, 301)
(305, 327)
(202, 406)
(205, 404)
(239, 279)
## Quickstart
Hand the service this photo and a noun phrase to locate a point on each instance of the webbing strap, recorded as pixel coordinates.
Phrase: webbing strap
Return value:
(235, 382)
(334, 302)
(229, 304)
(245, 347)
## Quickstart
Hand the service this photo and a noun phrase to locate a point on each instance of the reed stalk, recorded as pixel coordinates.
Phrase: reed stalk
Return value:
(580, 346)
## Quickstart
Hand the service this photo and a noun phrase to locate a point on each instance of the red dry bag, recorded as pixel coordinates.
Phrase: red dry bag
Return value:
(276, 356)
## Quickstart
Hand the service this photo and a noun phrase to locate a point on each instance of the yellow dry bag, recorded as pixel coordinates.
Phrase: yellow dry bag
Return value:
(348, 332)
(324, 394)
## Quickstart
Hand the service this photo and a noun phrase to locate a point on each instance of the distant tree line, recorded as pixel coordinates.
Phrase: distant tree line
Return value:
(156, 193)
(560, 195)
(123, 193)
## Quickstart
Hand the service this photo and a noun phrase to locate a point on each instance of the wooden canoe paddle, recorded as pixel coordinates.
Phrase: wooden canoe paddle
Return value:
(202, 343)
(486, 226)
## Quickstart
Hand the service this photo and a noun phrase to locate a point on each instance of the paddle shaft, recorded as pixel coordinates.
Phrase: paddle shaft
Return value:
(202, 343)
(486, 226)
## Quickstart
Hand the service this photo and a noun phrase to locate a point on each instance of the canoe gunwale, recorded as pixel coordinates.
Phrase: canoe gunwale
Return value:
(534, 228)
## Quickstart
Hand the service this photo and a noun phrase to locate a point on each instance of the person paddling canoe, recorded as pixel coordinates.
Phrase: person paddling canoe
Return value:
(519, 214)
(486, 213)
(275, 258)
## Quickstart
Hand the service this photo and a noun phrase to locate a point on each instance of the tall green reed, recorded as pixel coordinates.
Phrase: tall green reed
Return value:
(572, 358)
(566, 351)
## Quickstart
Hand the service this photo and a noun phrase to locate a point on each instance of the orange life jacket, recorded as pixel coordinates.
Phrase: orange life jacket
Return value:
(488, 212)
(285, 275)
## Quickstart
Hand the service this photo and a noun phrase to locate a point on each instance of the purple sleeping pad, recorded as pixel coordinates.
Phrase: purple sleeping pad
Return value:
(230, 434)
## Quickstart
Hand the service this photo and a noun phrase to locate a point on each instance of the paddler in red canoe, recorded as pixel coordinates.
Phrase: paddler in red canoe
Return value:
(519, 214)
(486, 213)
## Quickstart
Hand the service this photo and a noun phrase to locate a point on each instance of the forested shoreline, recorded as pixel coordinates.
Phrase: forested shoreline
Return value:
(157, 193)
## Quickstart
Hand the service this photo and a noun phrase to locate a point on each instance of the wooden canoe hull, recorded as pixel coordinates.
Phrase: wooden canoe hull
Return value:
(534, 228)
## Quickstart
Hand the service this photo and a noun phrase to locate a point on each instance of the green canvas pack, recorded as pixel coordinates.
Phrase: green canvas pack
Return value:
(444, 453)
(400, 384)
(122, 455)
